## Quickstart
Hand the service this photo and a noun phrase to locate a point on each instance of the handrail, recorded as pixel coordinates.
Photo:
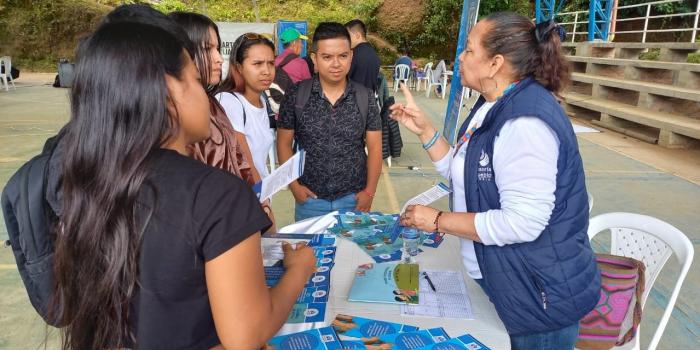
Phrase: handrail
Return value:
(579, 20)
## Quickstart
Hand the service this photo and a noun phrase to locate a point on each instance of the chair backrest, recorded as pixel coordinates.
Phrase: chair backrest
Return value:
(401, 71)
(428, 67)
(651, 241)
(6, 63)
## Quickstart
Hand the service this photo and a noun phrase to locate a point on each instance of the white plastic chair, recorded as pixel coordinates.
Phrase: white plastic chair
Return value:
(651, 241)
(6, 75)
(431, 80)
(401, 74)
(424, 78)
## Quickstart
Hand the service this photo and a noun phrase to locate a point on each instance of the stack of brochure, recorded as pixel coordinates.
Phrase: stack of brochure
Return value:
(310, 306)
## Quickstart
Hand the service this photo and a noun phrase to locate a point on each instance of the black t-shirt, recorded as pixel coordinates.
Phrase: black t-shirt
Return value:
(200, 213)
(365, 66)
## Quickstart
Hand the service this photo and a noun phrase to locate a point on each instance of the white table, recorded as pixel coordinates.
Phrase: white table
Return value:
(486, 326)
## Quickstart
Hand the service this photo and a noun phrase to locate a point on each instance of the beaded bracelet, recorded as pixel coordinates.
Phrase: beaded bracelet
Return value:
(437, 221)
(432, 141)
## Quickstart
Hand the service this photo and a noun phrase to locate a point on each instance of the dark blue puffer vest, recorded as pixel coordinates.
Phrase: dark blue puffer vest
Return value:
(552, 282)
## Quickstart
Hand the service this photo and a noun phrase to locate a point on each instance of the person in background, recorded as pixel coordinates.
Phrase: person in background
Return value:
(167, 235)
(365, 61)
(225, 149)
(405, 59)
(331, 127)
(519, 200)
(290, 59)
(251, 71)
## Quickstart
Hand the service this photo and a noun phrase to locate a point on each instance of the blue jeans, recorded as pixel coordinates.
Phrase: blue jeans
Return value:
(317, 207)
(563, 339)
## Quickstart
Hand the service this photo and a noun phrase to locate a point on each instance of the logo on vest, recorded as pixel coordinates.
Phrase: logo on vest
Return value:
(484, 172)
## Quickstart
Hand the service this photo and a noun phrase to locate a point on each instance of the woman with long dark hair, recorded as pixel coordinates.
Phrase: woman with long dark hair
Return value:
(225, 149)
(251, 72)
(154, 249)
(519, 200)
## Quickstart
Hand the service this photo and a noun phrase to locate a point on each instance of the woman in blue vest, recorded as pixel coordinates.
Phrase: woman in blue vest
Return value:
(519, 201)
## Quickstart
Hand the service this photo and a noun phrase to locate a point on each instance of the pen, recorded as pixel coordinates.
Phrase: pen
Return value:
(432, 286)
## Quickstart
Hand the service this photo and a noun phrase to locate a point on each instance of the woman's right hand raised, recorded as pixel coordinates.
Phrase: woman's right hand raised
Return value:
(299, 256)
(410, 115)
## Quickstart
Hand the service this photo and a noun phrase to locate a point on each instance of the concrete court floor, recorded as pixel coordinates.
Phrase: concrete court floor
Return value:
(622, 175)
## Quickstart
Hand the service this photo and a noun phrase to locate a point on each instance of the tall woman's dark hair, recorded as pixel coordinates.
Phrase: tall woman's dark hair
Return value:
(531, 49)
(197, 28)
(234, 80)
(119, 115)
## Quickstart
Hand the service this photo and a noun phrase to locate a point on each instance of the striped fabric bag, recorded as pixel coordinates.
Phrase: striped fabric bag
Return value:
(615, 319)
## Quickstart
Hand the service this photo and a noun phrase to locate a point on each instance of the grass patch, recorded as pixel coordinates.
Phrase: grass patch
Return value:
(44, 65)
(651, 55)
(694, 58)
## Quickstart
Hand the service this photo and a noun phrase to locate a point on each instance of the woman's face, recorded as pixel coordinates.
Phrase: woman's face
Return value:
(211, 49)
(475, 65)
(190, 104)
(258, 68)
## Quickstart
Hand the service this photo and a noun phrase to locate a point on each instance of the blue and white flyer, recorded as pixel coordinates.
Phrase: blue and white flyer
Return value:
(464, 342)
(313, 339)
(360, 327)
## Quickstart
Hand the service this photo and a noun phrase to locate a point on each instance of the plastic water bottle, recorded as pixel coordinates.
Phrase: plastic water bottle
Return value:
(410, 238)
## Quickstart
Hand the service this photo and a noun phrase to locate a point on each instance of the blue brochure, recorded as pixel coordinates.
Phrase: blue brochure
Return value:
(400, 341)
(307, 313)
(274, 273)
(353, 219)
(314, 295)
(314, 240)
(385, 283)
(464, 342)
(313, 339)
(360, 327)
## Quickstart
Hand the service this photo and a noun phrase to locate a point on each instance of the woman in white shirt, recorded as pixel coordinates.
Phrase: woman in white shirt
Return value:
(251, 71)
(519, 201)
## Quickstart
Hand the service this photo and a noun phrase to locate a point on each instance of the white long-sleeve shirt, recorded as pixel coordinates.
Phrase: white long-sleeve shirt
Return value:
(525, 165)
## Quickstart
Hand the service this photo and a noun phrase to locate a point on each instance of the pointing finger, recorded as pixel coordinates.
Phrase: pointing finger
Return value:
(407, 94)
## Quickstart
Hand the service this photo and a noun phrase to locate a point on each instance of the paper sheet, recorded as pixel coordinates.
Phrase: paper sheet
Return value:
(282, 176)
(450, 300)
(431, 195)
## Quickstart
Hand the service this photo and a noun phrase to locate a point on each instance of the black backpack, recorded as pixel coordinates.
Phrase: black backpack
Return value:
(29, 220)
(282, 79)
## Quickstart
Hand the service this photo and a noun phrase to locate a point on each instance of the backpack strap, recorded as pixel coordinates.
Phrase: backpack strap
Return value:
(287, 59)
(362, 99)
(303, 94)
(245, 118)
(271, 115)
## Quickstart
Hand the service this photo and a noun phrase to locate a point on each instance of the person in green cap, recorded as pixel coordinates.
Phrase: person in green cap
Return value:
(289, 60)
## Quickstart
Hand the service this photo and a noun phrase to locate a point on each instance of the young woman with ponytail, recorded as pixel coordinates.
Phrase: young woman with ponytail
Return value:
(519, 200)
(155, 250)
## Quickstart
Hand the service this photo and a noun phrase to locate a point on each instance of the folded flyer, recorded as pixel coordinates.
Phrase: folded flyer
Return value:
(464, 342)
(307, 313)
(313, 339)
(314, 295)
(312, 239)
(400, 341)
(386, 283)
(353, 219)
(319, 278)
(360, 327)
